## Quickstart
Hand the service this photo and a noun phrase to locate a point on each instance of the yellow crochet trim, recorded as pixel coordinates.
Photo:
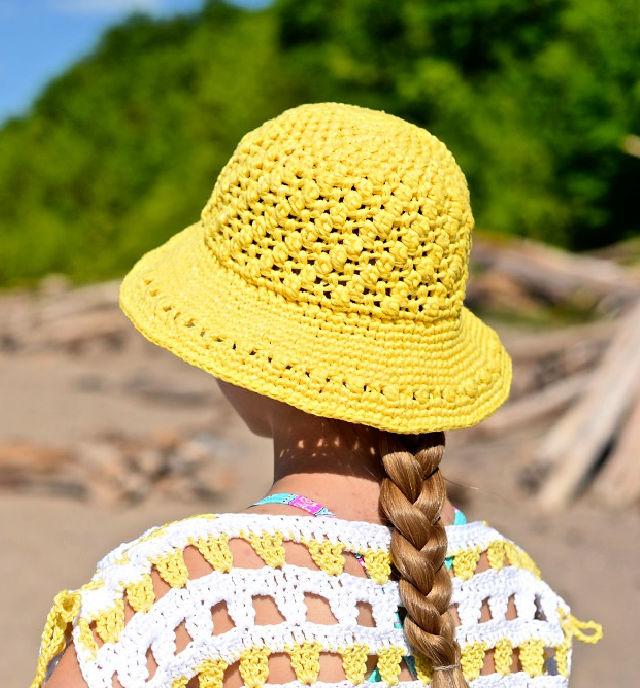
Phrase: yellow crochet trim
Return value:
(110, 623)
(211, 673)
(254, 666)
(466, 562)
(573, 627)
(122, 559)
(66, 605)
(87, 638)
(328, 556)
(172, 569)
(389, 664)
(140, 594)
(95, 584)
(269, 547)
(354, 663)
(424, 669)
(561, 655)
(199, 517)
(531, 654)
(499, 554)
(155, 533)
(496, 554)
(377, 563)
(216, 551)
(503, 656)
(305, 660)
(518, 557)
(344, 229)
(472, 660)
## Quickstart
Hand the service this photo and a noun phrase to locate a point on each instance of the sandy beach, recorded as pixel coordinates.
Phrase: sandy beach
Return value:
(49, 542)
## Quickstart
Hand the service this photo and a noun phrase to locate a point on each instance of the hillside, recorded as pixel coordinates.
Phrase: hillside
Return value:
(540, 102)
(120, 151)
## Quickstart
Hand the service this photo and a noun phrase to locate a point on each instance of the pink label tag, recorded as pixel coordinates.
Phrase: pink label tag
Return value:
(307, 504)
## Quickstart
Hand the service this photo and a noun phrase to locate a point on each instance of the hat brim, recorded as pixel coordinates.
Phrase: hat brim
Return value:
(397, 375)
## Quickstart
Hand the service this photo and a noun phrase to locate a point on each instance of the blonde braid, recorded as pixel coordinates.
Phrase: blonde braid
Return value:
(411, 497)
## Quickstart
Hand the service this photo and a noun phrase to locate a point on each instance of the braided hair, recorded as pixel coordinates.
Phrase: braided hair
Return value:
(411, 497)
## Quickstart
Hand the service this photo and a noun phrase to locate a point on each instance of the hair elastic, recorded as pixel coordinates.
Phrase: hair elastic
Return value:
(445, 667)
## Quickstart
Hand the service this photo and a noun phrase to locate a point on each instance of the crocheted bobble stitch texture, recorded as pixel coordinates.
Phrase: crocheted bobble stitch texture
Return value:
(539, 637)
(328, 271)
(348, 208)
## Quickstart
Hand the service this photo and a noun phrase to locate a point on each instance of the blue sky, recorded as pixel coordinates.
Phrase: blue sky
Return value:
(39, 38)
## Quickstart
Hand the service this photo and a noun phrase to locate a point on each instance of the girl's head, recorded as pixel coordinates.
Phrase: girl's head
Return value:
(327, 273)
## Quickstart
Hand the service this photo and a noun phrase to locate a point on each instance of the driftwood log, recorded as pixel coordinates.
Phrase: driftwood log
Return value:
(579, 439)
(557, 275)
(532, 407)
(619, 484)
(116, 469)
(533, 346)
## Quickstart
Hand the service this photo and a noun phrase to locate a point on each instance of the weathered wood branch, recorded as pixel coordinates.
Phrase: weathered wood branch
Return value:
(558, 275)
(532, 346)
(577, 441)
(619, 484)
(550, 399)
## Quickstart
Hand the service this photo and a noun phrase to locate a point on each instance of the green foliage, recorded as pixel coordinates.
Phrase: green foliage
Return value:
(534, 97)
(120, 151)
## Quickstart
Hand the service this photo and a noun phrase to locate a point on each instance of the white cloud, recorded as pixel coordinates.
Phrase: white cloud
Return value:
(106, 6)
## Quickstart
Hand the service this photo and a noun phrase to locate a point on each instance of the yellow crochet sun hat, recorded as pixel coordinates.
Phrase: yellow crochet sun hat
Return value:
(328, 271)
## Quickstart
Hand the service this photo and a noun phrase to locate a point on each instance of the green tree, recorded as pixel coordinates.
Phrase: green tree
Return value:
(122, 150)
(534, 98)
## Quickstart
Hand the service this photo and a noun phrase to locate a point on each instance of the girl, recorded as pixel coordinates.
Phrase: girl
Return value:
(323, 287)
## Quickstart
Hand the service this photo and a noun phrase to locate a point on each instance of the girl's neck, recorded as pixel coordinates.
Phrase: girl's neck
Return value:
(334, 463)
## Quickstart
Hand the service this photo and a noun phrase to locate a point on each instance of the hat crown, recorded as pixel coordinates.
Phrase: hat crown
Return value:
(345, 208)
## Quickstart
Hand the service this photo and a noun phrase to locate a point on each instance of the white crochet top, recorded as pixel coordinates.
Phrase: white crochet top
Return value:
(107, 647)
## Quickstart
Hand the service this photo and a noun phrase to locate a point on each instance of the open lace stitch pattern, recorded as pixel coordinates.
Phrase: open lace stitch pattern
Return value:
(333, 228)
(537, 641)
